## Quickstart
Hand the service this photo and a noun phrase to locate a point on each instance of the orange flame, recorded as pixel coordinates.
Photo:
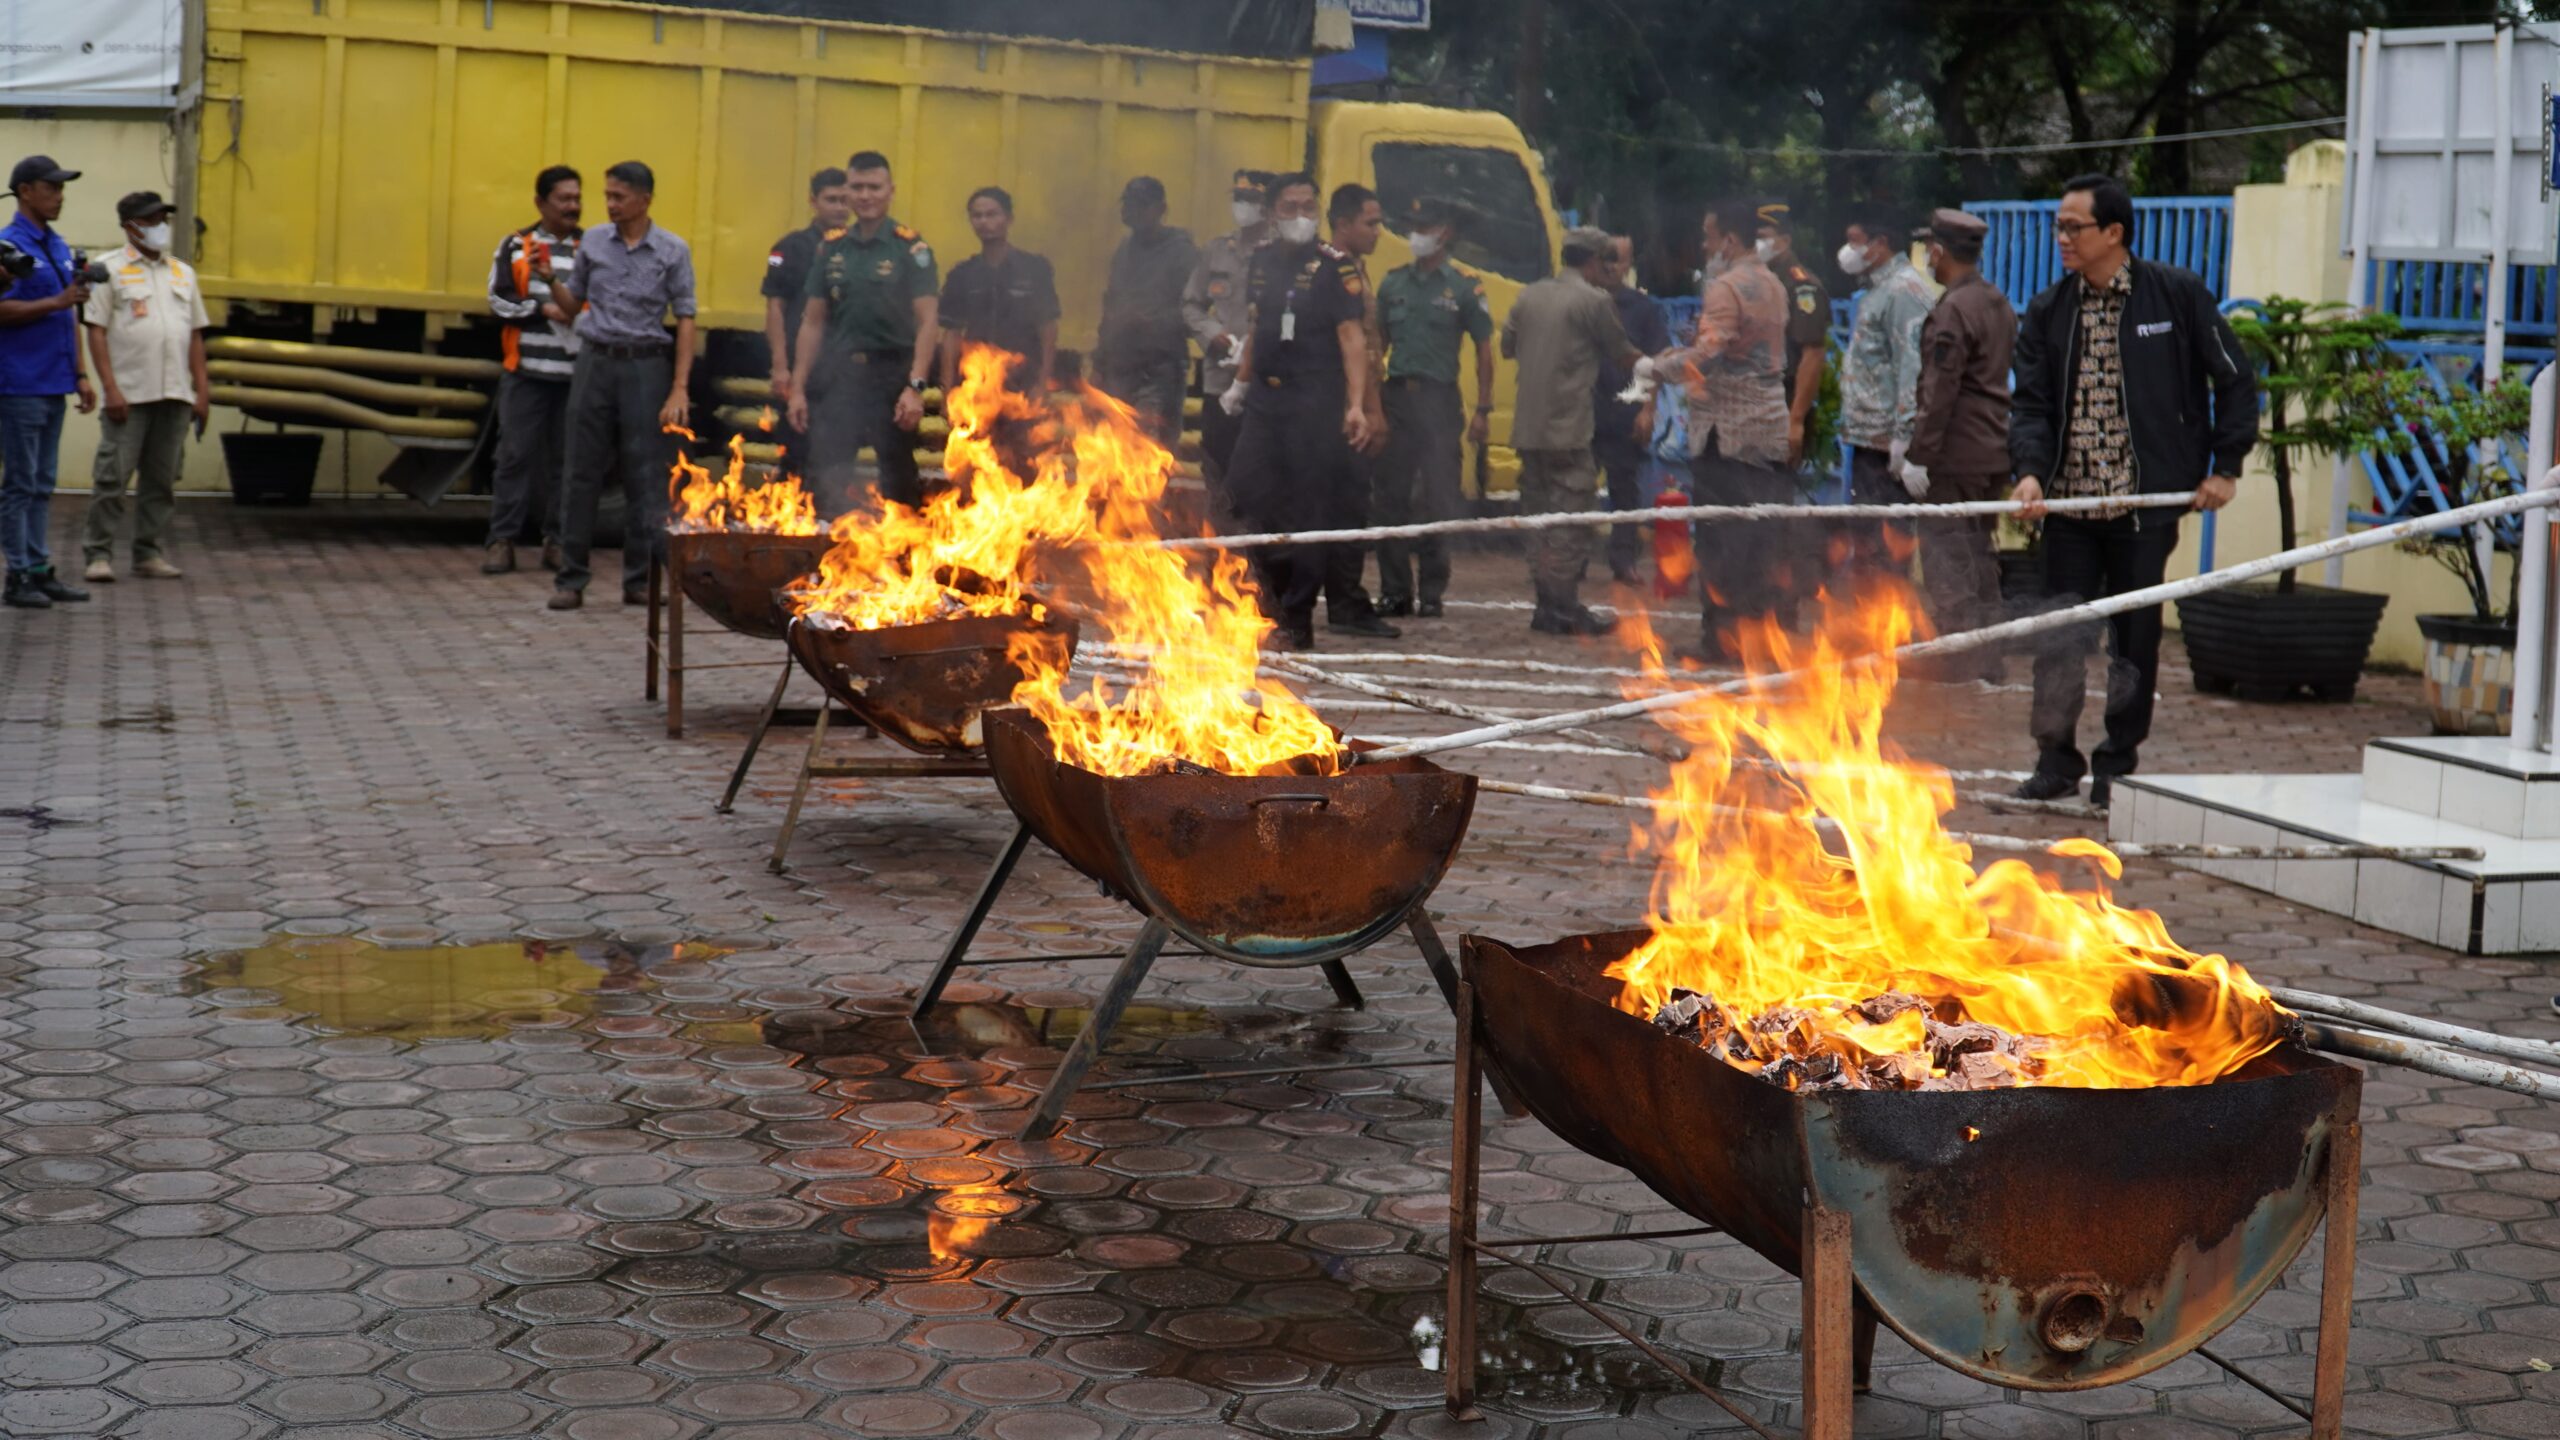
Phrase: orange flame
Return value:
(1802, 869)
(700, 502)
(972, 548)
(961, 1215)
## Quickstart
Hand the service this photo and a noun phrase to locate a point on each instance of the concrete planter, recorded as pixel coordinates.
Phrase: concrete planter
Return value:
(2470, 673)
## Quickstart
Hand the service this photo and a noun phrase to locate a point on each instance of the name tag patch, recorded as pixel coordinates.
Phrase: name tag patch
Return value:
(2156, 327)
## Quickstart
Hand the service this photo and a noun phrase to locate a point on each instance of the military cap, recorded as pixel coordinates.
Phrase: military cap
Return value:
(1774, 212)
(1588, 238)
(1427, 211)
(1957, 225)
(1253, 183)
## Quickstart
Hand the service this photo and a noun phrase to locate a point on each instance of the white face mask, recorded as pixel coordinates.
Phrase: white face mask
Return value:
(1717, 264)
(1247, 214)
(1853, 261)
(1425, 244)
(156, 237)
(1298, 229)
(1765, 248)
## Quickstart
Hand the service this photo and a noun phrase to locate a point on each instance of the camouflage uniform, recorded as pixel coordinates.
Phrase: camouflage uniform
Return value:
(1879, 389)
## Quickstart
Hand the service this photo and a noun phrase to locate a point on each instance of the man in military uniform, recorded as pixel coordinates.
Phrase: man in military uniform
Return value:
(1213, 306)
(1561, 331)
(1959, 446)
(1426, 310)
(1144, 358)
(1357, 219)
(786, 277)
(868, 338)
(1808, 322)
(1298, 386)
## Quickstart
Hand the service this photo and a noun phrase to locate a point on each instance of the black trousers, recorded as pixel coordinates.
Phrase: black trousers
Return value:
(2090, 559)
(1621, 460)
(1746, 568)
(614, 432)
(1291, 469)
(533, 446)
(1347, 508)
(853, 404)
(1219, 432)
(1417, 481)
(1873, 550)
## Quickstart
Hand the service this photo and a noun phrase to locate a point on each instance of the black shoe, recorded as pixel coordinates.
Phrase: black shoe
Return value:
(2043, 785)
(1581, 620)
(53, 587)
(1364, 623)
(635, 594)
(1395, 607)
(565, 598)
(1627, 575)
(23, 595)
(1428, 610)
(552, 559)
(1291, 637)
(2101, 788)
(498, 558)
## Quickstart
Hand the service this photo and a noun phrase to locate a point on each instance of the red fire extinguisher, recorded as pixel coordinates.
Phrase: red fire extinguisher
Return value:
(1673, 557)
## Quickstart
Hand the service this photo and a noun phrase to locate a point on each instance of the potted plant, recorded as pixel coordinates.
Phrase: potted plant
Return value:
(2470, 657)
(2331, 386)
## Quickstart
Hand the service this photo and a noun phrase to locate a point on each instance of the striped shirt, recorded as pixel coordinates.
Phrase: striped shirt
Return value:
(534, 344)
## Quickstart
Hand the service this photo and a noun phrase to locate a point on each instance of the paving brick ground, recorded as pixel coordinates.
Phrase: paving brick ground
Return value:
(654, 1156)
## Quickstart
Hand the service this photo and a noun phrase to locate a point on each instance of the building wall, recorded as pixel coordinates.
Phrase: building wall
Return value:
(2284, 241)
(117, 152)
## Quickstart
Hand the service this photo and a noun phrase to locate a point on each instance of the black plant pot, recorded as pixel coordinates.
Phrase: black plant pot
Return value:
(270, 468)
(2259, 643)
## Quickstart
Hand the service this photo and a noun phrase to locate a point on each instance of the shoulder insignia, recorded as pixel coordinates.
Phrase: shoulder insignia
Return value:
(1351, 282)
(903, 232)
(774, 259)
(922, 252)
(1325, 247)
(1804, 301)
(832, 236)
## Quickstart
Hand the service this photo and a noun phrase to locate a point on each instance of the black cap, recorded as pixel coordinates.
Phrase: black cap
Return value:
(1144, 187)
(1254, 185)
(1429, 211)
(39, 167)
(1774, 212)
(142, 205)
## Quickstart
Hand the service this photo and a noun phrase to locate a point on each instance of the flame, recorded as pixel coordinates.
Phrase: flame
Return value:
(973, 546)
(1192, 629)
(1802, 869)
(961, 1215)
(699, 502)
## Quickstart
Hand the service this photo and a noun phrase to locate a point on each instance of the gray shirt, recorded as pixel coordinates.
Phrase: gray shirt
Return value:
(629, 289)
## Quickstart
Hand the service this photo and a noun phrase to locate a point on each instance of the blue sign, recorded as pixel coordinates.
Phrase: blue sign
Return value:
(1392, 14)
(2550, 142)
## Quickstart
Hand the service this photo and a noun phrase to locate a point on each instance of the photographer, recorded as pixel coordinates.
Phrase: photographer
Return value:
(39, 364)
(146, 324)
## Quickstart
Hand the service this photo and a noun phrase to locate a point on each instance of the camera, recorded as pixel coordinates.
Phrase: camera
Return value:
(88, 271)
(15, 263)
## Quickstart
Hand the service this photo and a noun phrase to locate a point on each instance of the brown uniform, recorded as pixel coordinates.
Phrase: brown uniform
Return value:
(1561, 330)
(1960, 435)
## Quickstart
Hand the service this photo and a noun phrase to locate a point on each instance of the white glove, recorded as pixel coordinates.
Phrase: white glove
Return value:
(1231, 399)
(1647, 372)
(1915, 478)
(1894, 455)
(1234, 348)
(1647, 367)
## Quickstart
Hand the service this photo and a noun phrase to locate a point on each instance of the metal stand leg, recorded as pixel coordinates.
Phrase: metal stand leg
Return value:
(755, 740)
(1862, 1345)
(1829, 1347)
(2337, 1283)
(675, 653)
(1346, 991)
(1435, 956)
(1097, 1032)
(957, 952)
(1466, 1122)
(649, 688)
(799, 791)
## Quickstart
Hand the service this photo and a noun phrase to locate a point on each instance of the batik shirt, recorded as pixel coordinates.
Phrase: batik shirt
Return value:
(1740, 400)
(2097, 453)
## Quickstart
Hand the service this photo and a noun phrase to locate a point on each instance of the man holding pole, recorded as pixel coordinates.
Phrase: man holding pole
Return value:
(2129, 381)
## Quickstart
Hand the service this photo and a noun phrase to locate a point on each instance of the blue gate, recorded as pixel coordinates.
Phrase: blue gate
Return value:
(2191, 232)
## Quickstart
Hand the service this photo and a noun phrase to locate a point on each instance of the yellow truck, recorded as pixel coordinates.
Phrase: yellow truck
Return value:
(356, 161)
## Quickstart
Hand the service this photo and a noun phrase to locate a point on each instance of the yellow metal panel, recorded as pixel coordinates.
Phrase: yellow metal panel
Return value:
(967, 140)
(499, 147)
(1159, 143)
(758, 115)
(855, 117)
(398, 12)
(1067, 208)
(618, 113)
(380, 223)
(273, 167)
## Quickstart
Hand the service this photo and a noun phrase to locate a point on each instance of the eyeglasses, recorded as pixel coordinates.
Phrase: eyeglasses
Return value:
(2070, 229)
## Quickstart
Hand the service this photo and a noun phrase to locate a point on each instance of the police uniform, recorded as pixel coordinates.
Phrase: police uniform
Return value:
(1291, 458)
(1808, 316)
(870, 284)
(1427, 315)
(1213, 305)
(786, 278)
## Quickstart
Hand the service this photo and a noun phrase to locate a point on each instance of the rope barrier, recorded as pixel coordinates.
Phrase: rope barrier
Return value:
(1915, 510)
(2019, 629)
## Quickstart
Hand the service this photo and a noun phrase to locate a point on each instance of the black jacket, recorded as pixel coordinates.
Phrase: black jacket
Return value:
(2191, 395)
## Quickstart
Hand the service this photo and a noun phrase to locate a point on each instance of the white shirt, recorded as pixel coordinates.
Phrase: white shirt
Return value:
(151, 308)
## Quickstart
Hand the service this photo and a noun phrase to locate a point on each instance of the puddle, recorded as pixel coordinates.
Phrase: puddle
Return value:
(347, 986)
(1535, 1369)
(159, 719)
(38, 818)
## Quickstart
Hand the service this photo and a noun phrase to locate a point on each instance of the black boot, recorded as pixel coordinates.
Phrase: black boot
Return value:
(54, 587)
(2045, 785)
(23, 595)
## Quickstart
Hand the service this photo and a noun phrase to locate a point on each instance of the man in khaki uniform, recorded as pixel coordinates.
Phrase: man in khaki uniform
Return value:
(146, 335)
(1960, 434)
(1559, 332)
(1213, 305)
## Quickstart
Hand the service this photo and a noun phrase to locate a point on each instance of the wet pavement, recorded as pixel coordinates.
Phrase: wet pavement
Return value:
(393, 1042)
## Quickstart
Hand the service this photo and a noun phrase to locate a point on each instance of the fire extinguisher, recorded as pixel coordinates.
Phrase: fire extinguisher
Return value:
(1673, 558)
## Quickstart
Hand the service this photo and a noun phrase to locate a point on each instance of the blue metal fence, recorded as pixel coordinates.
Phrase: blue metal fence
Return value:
(2191, 232)
(2440, 295)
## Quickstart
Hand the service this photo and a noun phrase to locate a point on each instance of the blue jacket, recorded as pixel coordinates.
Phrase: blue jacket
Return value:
(40, 359)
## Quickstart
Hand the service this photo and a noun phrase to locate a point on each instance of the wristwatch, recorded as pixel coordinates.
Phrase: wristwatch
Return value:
(915, 384)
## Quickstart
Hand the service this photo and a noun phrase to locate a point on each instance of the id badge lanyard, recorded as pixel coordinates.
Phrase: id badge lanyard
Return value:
(1289, 316)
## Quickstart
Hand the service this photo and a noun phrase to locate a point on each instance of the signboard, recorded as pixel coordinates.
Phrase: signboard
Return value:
(105, 53)
(1392, 14)
(2444, 143)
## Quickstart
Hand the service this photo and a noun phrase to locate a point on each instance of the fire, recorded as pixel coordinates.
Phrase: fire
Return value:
(974, 546)
(1808, 897)
(960, 1216)
(701, 502)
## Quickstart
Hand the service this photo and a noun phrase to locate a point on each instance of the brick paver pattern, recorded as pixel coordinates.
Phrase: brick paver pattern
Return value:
(673, 1171)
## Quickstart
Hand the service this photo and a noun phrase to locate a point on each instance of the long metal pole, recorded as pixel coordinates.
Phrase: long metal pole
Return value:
(2531, 726)
(2018, 629)
(2432, 1060)
(2374, 1017)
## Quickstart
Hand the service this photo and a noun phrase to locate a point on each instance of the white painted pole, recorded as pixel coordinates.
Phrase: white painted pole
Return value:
(2531, 727)
(2361, 124)
(2018, 629)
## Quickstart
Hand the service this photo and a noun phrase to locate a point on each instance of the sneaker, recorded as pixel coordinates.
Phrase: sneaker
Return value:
(552, 559)
(499, 558)
(1428, 610)
(156, 568)
(1364, 624)
(635, 594)
(565, 598)
(54, 588)
(101, 571)
(23, 595)
(2046, 786)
